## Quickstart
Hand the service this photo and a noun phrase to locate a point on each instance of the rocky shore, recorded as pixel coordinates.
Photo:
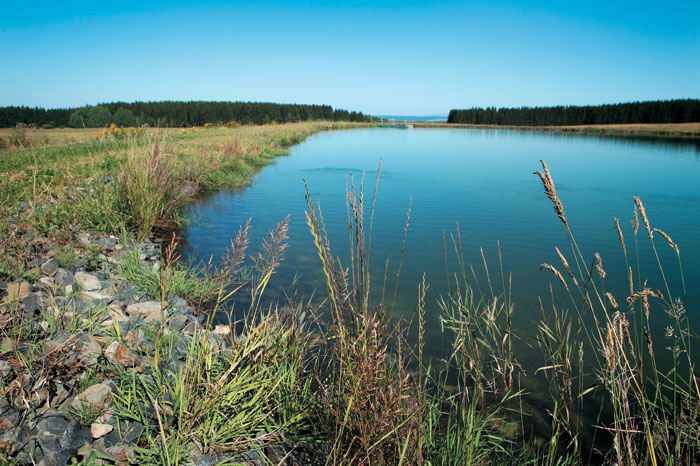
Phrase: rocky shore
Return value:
(71, 333)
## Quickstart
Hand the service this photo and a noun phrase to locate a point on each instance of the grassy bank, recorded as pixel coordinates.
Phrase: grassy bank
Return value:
(124, 181)
(671, 130)
(332, 385)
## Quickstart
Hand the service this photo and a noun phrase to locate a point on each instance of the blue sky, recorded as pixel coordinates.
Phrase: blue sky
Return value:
(409, 57)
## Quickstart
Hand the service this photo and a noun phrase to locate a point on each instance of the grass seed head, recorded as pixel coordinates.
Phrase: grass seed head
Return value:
(551, 192)
(556, 273)
(643, 214)
(673, 245)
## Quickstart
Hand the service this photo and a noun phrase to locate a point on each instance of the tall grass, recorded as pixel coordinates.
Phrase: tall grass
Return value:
(655, 410)
(148, 190)
(610, 400)
(370, 411)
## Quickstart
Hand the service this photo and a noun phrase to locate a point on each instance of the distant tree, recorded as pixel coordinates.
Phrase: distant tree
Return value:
(124, 117)
(171, 113)
(660, 111)
(98, 116)
(78, 118)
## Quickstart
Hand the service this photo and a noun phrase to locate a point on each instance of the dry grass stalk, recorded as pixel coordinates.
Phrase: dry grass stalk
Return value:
(613, 302)
(566, 265)
(643, 214)
(551, 192)
(644, 294)
(599, 266)
(629, 276)
(556, 273)
(620, 235)
(635, 221)
(673, 245)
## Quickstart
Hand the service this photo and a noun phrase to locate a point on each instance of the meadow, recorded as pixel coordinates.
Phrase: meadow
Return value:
(336, 383)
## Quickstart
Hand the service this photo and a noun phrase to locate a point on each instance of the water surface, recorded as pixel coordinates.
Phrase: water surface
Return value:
(483, 180)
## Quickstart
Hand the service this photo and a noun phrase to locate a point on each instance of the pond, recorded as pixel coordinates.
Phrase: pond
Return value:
(483, 181)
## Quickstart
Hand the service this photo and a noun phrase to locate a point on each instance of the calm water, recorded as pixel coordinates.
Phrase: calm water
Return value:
(484, 181)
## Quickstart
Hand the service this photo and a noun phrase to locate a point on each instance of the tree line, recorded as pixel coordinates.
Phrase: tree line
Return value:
(658, 111)
(172, 114)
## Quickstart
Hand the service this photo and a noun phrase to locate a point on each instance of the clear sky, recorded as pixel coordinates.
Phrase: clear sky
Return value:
(408, 57)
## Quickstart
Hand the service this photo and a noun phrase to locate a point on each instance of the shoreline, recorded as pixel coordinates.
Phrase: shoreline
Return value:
(680, 131)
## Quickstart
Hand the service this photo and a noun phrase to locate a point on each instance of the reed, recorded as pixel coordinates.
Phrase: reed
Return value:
(654, 412)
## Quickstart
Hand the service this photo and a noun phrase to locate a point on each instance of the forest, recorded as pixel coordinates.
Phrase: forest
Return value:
(172, 114)
(659, 111)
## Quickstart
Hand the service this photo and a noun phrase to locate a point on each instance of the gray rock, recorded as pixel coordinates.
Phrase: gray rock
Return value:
(75, 436)
(173, 368)
(177, 323)
(129, 433)
(57, 458)
(5, 369)
(88, 348)
(47, 282)
(191, 328)
(179, 350)
(14, 440)
(58, 340)
(150, 311)
(87, 281)
(63, 278)
(54, 424)
(251, 458)
(92, 296)
(49, 267)
(34, 302)
(123, 453)
(109, 243)
(121, 355)
(74, 305)
(85, 239)
(99, 396)
(136, 338)
(208, 460)
(9, 419)
(61, 394)
(178, 303)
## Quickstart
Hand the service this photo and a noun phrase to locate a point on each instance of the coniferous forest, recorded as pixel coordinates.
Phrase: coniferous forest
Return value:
(172, 114)
(659, 111)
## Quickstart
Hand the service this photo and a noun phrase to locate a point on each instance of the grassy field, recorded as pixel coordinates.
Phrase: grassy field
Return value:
(36, 137)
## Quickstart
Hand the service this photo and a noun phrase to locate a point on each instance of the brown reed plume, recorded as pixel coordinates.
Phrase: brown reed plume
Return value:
(673, 245)
(620, 236)
(566, 265)
(643, 214)
(551, 192)
(599, 265)
(556, 273)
